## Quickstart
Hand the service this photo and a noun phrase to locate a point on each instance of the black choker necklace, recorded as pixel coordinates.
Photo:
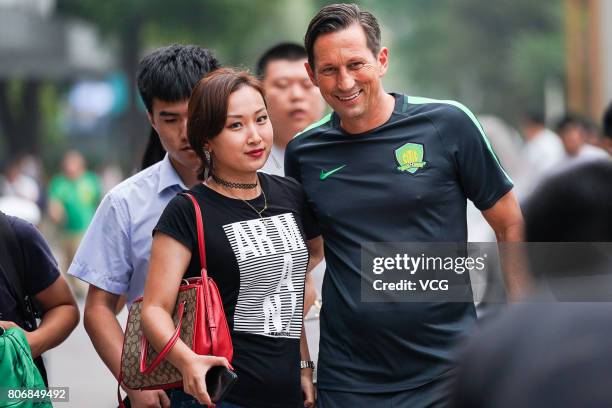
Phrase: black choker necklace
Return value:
(229, 184)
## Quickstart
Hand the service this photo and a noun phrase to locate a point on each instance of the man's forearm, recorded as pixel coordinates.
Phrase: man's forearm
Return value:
(513, 261)
(304, 352)
(56, 326)
(106, 335)
(511, 233)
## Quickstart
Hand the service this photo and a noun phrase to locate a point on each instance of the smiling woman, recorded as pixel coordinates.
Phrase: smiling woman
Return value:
(228, 126)
(260, 241)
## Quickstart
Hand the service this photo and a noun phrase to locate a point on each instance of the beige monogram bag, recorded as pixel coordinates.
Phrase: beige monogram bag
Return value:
(200, 323)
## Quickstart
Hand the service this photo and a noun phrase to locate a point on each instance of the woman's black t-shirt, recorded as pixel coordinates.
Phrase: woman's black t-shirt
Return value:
(259, 265)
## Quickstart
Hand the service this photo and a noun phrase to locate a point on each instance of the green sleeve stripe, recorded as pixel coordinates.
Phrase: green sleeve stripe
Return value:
(416, 100)
(322, 121)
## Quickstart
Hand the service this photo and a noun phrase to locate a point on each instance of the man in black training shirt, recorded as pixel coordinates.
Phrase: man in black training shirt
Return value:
(388, 168)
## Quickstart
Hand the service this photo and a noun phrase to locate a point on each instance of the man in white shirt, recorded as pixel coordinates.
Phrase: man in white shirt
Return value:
(572, 130)
(293, 101)
(113, 256)
(293, 104)
(543, 152)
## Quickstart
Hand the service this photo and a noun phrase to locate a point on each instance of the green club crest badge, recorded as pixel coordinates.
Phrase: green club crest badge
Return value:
(410, 157)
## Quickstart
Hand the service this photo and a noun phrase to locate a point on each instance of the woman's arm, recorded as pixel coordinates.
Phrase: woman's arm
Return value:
(169, 260)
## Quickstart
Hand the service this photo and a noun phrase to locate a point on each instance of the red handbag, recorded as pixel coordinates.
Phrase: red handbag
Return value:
(200, 323)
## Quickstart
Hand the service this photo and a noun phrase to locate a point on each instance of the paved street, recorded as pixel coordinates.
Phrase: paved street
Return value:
(75, 364)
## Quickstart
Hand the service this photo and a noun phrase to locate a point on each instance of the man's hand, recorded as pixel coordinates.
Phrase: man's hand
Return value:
(34, 346)
(148, 399)
(5, 324)
(308, 388)
(56, 211)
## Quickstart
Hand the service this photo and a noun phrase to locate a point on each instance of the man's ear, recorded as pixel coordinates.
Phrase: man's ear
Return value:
(383, 60)
(311, 74)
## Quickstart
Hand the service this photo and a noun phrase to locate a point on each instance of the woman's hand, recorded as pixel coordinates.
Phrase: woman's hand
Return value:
(308, 388)
(194, 376)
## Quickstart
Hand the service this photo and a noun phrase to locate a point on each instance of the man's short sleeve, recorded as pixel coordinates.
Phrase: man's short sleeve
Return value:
(480, 173)
(41, 268)
(103, 258)
(309, 221)
(291, 162)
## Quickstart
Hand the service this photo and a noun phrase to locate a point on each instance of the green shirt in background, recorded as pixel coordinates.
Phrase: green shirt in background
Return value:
(79, 197)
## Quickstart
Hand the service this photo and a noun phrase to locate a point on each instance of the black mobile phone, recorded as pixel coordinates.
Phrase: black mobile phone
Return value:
(219, 380)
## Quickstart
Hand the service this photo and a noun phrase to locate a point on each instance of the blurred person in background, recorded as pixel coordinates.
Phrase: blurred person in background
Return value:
(293, 101)
(607, 129)
(32, 166)
(31, 286)
(293, 104)
(74, 195)
(543, 152)
(20, 194)
(16, 183)
(110, 175)
(114, 254)
(573, 131)
(592, 131)
(553, 353)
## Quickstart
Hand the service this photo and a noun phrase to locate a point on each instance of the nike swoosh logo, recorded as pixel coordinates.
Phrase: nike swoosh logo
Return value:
(326, 174)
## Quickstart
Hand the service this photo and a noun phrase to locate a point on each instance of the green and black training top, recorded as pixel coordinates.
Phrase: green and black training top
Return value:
(405, 181)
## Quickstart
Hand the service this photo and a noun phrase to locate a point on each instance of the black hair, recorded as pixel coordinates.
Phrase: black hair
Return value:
(573, 206)
(607, 122)
(170, 73)
(154, 152)
(283, 51)
(571, 120)
(207, 109)
(336, 17)
(535, 117)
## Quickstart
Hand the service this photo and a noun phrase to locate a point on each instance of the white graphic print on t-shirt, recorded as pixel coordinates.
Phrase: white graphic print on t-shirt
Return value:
(272, 259)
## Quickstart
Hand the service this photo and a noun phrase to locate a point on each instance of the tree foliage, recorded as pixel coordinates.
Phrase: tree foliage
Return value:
(493, 56)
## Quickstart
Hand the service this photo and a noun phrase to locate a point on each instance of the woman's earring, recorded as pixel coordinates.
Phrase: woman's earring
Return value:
(208, 164)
